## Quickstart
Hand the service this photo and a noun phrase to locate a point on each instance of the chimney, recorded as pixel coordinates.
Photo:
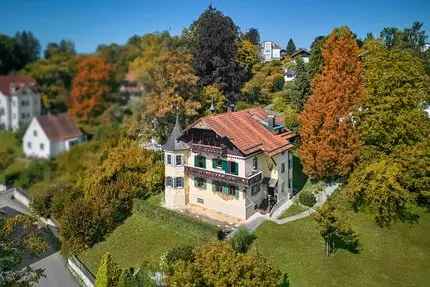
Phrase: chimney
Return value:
(230, 108)
(270, 121)
(12, 87)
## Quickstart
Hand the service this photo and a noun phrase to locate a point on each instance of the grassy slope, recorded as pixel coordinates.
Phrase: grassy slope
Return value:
(294, 209)
(9, 141)
(141, 238)
(396, 256)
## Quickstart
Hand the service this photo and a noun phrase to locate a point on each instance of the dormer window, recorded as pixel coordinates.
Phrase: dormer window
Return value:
(255, 163)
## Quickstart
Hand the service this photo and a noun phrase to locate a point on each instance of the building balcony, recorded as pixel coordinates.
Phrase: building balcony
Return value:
(208, 149)
(224, 177)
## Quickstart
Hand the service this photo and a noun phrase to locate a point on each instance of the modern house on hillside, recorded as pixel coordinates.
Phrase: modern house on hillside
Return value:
(290, 73)
(19, 101)
(231, 164)
(49, 135)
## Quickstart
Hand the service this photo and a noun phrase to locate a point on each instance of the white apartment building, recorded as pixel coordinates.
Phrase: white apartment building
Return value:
(19, 101)
(233, 164)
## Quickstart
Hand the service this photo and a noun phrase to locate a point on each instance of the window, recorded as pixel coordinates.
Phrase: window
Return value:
(169, 159)
(255, 189)
(232, 190)
(200, 200)
(282, 167)
(35, 133)
(217, 186)
(200, 182)
(217, 163)
(255, 163)
(42, 146)
(283, 187)
(200, 161)
(169, 181)
(29, 145)
(179, 182)
(232, 168)
(178, 160)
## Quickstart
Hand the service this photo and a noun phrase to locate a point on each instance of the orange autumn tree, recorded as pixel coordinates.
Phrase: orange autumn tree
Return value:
(89, 87)
(330, 144)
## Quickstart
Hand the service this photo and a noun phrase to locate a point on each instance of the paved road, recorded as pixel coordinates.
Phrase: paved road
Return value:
(56, 272)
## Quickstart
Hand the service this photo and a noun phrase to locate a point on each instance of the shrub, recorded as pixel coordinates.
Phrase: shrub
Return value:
(307, 198)
(242, 240)
(184, 253)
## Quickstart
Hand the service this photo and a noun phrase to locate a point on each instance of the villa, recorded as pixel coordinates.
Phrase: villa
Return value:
(231, 165)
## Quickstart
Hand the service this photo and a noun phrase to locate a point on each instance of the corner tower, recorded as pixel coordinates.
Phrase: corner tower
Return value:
(175, 154)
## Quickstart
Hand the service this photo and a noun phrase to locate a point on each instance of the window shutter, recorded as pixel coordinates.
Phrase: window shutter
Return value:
(225, 189)
(214, 163)
(225, 165)
(196, 160)
(234, 168)
(203, 159)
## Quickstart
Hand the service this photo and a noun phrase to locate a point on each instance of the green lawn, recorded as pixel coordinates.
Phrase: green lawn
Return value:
(145, 238)
(396, 256)
(294, 209)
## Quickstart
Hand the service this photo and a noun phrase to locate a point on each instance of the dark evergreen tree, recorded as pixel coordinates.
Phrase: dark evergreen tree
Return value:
(64, 47)
(316, 60)
(214, 46)
(253, 36)
(291, 47)
(300, 87)
(27, 49)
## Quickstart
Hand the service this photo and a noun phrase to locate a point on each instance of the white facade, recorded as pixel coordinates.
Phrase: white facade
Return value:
(36, 143)
(271, 51)
(18, 108)
(240, 201)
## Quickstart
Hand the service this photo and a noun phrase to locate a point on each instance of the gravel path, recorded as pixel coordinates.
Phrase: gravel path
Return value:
(257, 219)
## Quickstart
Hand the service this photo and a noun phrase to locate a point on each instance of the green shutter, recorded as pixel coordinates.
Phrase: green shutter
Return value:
(234, 168)
(196, 160)
(203, 159)
(225, 189)
(214, 163)
(225, 165)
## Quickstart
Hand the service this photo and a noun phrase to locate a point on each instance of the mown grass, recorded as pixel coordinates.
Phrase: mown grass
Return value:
(395, 256)
(144, 237)
(294, 209)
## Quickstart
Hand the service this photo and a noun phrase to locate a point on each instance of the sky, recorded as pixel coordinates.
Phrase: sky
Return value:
(89, 23)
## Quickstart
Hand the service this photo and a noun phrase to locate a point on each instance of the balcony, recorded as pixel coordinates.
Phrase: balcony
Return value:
(208, 149)
(224, 177)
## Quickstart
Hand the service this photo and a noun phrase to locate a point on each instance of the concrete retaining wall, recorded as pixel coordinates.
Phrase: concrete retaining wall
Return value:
(22, 198)
(79, 270)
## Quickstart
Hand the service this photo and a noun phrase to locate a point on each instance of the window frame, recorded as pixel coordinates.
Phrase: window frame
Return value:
(168, 159)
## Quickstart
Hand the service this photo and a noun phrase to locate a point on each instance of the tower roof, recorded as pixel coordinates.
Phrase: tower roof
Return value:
(172, 143)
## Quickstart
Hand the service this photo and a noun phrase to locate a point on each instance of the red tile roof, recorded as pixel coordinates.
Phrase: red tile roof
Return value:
(59, 127)
(246, 130)
(18, 80)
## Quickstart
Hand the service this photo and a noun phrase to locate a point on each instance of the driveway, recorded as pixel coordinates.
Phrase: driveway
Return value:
(56, 271)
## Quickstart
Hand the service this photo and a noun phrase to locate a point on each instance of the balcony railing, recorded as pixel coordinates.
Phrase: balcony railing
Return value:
(208, 149)
(223, 177)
